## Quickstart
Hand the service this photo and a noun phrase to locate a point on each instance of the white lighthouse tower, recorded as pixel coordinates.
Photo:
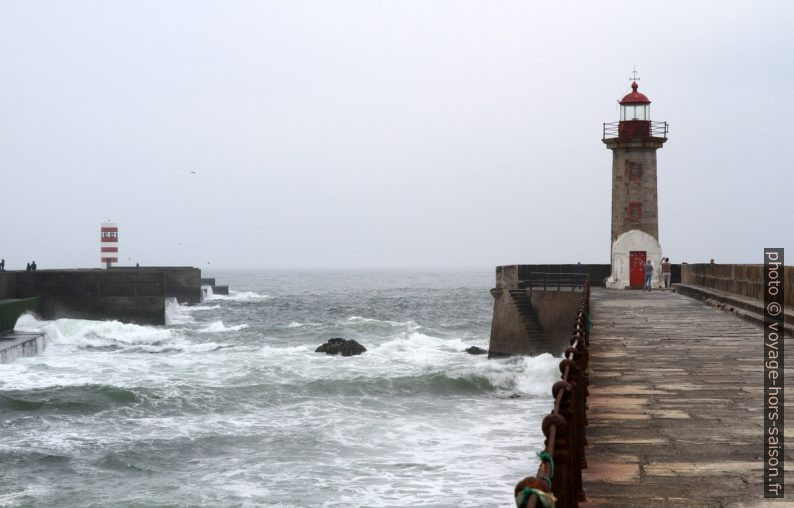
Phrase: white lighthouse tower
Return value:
(109, 244)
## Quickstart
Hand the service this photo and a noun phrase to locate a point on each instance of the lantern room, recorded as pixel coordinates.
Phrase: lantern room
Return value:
(635, 119)
(635, 106)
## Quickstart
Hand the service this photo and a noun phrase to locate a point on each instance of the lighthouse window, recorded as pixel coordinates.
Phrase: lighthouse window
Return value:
(634, 170)
(635, 211)
(635, 112)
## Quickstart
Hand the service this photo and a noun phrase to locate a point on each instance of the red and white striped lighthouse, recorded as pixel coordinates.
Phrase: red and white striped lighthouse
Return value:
(109, 244)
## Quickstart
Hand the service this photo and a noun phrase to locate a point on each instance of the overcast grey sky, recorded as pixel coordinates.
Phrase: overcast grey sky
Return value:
(385, 134)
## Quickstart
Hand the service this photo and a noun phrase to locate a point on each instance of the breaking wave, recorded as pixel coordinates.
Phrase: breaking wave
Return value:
(218, 326)
(112, 336)
(237, 296)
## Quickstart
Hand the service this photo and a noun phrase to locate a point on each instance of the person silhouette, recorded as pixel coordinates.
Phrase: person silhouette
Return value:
(27, 268)
(648, 268)
(666, 272)
(33, 266)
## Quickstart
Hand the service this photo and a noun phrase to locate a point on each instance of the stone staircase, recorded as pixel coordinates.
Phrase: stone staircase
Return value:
(530, 319)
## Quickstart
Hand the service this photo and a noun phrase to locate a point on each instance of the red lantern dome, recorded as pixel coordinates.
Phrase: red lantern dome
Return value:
(635, 97)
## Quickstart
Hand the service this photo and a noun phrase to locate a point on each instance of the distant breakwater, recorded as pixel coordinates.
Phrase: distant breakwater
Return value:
(130, 295)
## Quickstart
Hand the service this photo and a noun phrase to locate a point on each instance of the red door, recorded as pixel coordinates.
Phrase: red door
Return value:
(636, 270)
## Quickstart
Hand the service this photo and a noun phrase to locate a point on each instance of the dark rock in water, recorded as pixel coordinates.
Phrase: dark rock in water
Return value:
(474, 350)
(341, 347)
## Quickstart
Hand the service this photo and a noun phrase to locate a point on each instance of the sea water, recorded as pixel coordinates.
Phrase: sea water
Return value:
(229, 405)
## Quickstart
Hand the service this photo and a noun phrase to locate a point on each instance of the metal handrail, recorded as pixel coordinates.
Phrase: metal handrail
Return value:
(657, 130)
(564, 426)
(547, 280)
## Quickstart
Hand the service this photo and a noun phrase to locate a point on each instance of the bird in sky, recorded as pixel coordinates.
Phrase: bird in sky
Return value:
(193, 173)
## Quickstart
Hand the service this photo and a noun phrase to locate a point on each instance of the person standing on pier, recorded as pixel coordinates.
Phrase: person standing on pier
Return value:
(2, 265)
(648, 274)
(666, 271)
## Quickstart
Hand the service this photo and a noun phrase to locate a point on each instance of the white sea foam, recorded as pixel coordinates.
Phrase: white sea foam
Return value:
(83, 332)
(241, 489)
(288, 354)
(27, 492)
(197, 308)
(218, 326)
(238, 296)
(538, 374)
(69, 337)
(298, 324)
(206, 293)
(410, 325)
(412, 353)
(176, 314)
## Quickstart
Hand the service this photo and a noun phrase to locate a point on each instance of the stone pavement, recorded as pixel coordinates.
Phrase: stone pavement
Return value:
(675, 404)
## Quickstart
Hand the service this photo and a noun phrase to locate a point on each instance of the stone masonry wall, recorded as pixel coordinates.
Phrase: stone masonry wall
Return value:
(625, 190)
(743, 280)
(127, 296)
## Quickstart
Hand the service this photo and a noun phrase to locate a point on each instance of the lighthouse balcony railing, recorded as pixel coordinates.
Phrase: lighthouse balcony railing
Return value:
(635, 128)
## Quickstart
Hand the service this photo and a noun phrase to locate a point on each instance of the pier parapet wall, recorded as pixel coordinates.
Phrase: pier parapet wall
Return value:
(741, 280)
(8, 285)
(533, 311)
(128, 296)
(736, 288)
(509, 275)
(180, 282)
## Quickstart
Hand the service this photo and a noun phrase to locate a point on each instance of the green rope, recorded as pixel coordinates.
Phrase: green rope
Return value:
(523, 497)
(546, 457)
(546, 499)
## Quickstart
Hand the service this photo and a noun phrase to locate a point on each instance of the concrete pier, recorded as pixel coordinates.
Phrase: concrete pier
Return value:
(675, 402)
(128, 296)
(220, 289)
(180, 282)
(15, 345)
(531, 320)
(216, 289)
(135, 295)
